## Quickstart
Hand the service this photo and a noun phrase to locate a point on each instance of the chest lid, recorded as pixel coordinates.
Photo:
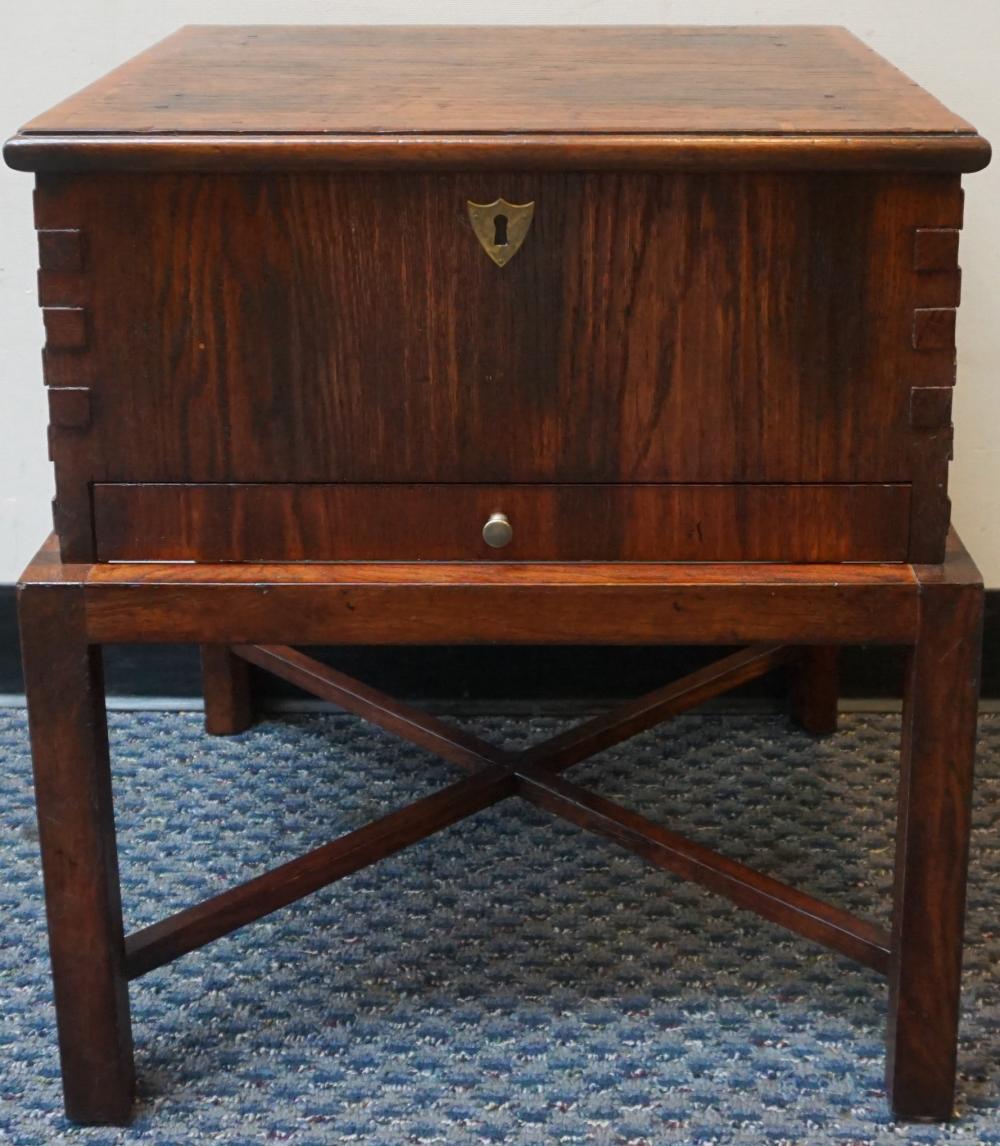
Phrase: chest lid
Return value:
(663, 96)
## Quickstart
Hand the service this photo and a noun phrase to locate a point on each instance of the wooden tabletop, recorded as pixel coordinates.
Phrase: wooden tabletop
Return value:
(613, 91)
(422, 79)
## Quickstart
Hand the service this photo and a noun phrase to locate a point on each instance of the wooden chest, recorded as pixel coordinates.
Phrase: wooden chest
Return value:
(639, 294)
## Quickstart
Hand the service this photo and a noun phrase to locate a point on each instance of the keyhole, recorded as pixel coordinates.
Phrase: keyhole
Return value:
(499, 230)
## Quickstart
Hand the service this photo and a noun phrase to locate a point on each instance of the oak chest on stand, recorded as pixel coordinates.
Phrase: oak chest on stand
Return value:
(621, 335)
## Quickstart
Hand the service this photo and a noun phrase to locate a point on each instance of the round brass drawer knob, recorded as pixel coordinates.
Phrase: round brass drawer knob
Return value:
(497, 532)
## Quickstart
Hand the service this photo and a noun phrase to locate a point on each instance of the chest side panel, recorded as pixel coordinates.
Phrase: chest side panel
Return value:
(349, 327)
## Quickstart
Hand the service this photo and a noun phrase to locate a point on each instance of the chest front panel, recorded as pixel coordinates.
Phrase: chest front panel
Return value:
(273, 329)
(681, 327)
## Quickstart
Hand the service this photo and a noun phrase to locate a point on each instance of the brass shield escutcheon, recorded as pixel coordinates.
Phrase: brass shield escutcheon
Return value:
(501, 227)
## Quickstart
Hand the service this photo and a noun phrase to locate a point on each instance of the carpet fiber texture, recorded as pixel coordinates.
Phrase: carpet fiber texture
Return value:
(514, 979)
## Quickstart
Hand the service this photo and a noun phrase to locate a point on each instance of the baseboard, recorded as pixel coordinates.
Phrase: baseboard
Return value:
(552, 675)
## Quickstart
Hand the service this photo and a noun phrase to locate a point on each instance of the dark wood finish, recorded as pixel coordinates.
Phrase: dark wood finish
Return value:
(60, 250)
(65, 327)
(935, 249)
(518, 604)
(751, 294)
(932, 839)
(69, 408)
(555, 754)
(936, 609)
(64, 284)
(934, 328)
(627, 720)
(930, 407)
(909, 151)
(815, 689)
(411, 79)
(621, 344)
(69, 747)
(228, 691)
(192, 928)
(937, 293)
(434, 735)
(801, 913)
(930, 506)
(187, 930)
(496, 773)
(271, 333)
(808, 523)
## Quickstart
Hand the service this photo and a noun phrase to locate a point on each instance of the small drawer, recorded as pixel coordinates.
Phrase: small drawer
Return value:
(433, 522)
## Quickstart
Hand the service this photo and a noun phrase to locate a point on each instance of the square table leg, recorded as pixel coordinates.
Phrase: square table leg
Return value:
(932, 842)
(227, 689)
(69, 743)
(816, 689)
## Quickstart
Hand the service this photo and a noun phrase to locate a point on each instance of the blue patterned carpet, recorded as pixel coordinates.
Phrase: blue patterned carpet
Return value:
(514, 980)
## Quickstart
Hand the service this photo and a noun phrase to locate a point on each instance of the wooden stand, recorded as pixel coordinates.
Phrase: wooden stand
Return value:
(240, 613)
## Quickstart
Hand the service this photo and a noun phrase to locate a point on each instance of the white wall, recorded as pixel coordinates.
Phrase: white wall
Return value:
(53, 47)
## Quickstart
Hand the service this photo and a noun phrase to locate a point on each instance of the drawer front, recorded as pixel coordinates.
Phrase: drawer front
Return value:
(227, 522)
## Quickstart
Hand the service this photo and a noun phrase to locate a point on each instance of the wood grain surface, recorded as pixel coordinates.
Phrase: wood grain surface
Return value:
(316, 327)
(937, 610)
(476, 151)
(735, 323)
(729, 334)
(64, 687)
(932, 837)
(346, 522)
(507, 79)
(402, 603)
(228, 691)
